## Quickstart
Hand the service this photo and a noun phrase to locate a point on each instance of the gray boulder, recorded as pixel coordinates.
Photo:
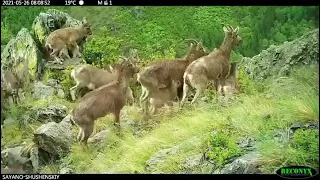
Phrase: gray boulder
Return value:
(42, 91)
(246, 164)
(54, 112)
(152, 165)
(54, 138)
(99, 137)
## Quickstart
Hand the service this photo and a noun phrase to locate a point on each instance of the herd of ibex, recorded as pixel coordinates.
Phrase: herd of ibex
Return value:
(162, 82)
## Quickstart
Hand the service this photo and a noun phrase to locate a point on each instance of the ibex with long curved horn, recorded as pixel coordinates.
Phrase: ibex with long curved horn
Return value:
(214, 67)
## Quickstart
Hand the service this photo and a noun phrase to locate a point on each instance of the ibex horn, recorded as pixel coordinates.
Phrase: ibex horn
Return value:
(228, 26)
(122, 59)
(193, 40)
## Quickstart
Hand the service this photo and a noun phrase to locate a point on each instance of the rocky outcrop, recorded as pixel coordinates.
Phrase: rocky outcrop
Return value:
(54, 138)
(26, 50)
(246, 164)
(14, 161)
(22, 52)
(278, 60)
(191, 164)
(42, 91)
(54, 112)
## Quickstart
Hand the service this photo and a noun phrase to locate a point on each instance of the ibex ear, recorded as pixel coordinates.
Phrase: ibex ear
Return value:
(236, 30)
(84, 20)
(111, 68)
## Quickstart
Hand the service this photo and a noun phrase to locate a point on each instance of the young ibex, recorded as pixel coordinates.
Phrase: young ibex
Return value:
(214, 67)
(231, 85)
(64, 39)
(93, 77)
(110, 98)
(158, 75)
(163, 96)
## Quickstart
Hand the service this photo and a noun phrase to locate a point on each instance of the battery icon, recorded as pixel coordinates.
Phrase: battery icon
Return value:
(81, 2)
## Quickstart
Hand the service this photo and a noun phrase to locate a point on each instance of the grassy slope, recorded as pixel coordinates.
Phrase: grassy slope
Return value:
(287, 100)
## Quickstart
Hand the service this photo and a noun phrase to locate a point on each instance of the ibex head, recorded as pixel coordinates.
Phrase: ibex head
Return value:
(86, 26)
(233, 33)
(196, 49)
(128, 65)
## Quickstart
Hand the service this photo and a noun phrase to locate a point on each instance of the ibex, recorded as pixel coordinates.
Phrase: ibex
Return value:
(231, 85)
(163, 96)
(158, 75)
(64, 39)
(93, 77)
(110, 98)
(12, 82)
(214, 67)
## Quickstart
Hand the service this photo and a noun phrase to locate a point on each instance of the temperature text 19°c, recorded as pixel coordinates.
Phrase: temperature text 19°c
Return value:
(105, 2)
(70, 2)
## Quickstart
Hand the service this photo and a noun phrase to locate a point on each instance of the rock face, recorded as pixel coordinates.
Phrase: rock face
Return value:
(99, 137)
(277, 60)
(246, 164)
(191, 164)
(13, 153)
(54, 138)
(55, 112)
(13, 160)
(42, 91)
(21, 53)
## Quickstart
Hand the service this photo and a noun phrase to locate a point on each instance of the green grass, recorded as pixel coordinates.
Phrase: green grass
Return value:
(284, 100)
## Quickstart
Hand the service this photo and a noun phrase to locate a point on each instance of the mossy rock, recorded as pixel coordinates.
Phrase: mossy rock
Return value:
(21, 53)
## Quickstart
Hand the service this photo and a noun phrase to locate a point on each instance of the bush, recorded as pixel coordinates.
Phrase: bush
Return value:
(248, 86)
(221, 147)
(6, 35)
(103, 48)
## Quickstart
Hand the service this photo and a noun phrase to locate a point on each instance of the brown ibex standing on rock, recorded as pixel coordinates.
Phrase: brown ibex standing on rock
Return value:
(214, 67)
(160, 74)
(93, 77)
(64, 39)
(110, 98)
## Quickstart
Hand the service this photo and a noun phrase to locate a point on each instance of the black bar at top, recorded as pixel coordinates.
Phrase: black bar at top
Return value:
(107, 3)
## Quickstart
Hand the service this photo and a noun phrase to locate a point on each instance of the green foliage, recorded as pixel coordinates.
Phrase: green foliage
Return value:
(221, 147)
(103, 48)
(17, 17)
(247, 85)
(307, 141)
(155, 31)
(6, 35)
(67, 81)
(303, 149)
